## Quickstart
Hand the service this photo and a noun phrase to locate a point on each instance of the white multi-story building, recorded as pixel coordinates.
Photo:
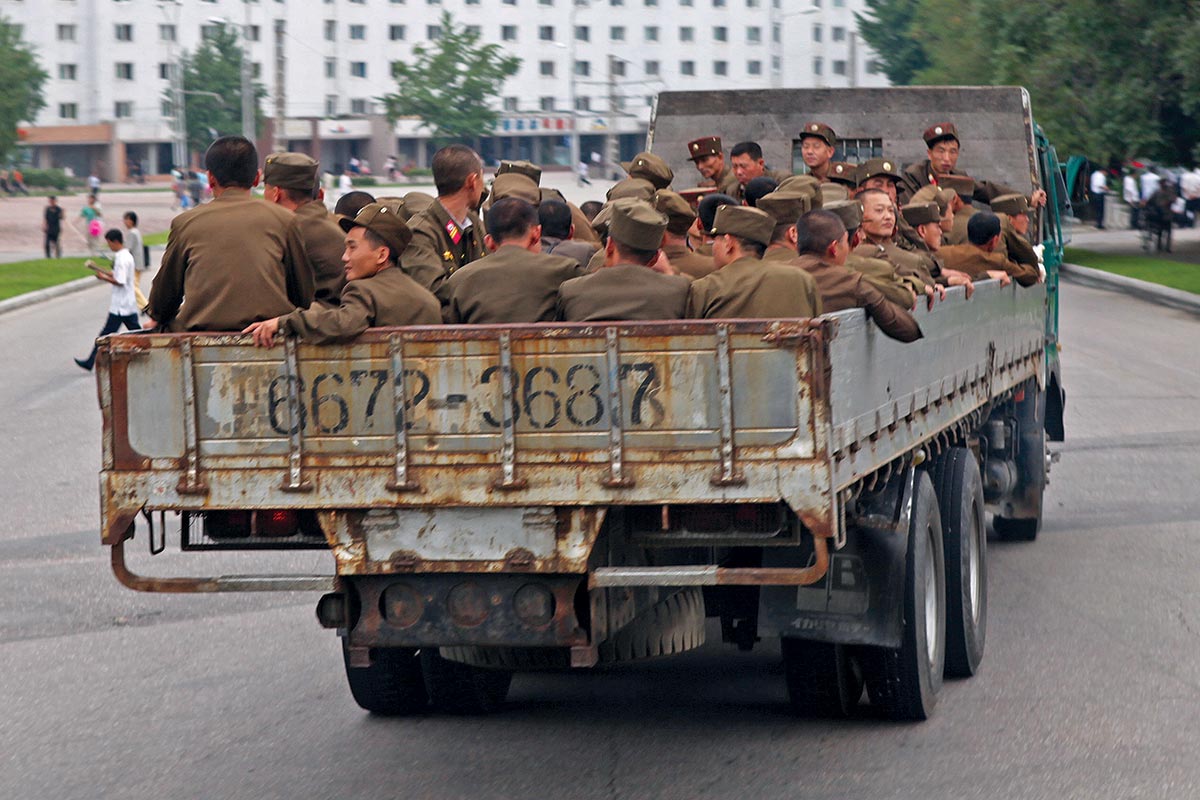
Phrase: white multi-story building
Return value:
(594, 66)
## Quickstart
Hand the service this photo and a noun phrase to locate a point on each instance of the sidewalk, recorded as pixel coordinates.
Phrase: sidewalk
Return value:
(1185, 242)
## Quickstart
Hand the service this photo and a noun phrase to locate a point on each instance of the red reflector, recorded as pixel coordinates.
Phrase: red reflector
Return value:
(1019, 396)
(277, 523)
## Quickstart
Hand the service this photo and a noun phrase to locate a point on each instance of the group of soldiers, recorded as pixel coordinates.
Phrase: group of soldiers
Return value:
(747, 243)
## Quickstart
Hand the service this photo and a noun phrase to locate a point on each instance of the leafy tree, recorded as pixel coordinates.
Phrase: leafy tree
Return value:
(888, 27)
(212, 85)
(451, 84)
(21, 82)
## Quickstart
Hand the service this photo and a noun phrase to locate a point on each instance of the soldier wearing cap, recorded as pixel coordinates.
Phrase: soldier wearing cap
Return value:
(943, 145)
(745, 286)
(882, 174)
(817, 143)
(290, 181)
(377, 293)
(879, 272)
(649, 167)
(746, 158)
(962, 188)
(785, 205)
(925, 220)
(448, 234)
(235, 260)
(980, 257)
(627, 287)
(700, 235)
(516, 282)
(558, 233)
(1013, 210)
(526, 168)
(879, 241)
(843, 173)
(823, 246)
(944, 198)
(680, 218)
(639, 188)
(709, 158)
(515, 184)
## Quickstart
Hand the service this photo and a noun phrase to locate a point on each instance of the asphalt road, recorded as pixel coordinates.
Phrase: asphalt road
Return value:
(1090, 686)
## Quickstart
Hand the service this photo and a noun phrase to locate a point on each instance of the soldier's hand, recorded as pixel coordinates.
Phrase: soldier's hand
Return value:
(263, 332)
(1000, 275)
(1038, 198)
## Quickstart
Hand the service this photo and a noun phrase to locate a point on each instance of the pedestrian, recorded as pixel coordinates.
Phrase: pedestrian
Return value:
(18, 182)
(4, 185)
(52, 219)
(1132, 198)
(122, 308)
(93, 223)
(1099, 188)
(345, 183)
(390, 167)
(582, 169)
(93, 183)
(133, 243)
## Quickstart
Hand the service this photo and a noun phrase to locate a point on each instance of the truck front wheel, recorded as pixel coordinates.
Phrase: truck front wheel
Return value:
(960, 497)
(392, 685)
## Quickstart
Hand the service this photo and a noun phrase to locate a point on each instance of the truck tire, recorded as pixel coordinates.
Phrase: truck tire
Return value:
(823, 679)
(964, 533)
(461, 688)
(392, 685)
(673, 625)
(1031, 463)
(904, 682)
(514, 658)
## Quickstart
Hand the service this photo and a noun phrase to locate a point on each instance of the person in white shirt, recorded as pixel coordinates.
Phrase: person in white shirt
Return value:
(1131, 196)
(1150, 182)
(1099, 188)
(122, 308)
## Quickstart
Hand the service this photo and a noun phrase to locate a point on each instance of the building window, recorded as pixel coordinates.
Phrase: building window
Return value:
(718, 3)
(397, 33)
(256, 69)
(583, 68)
(475, 30)
(651, 68)
(167, 109)
(818, 65)
(617, 33)
(650, 33)
(331, 105)
(123, 32)
(358, 106)
(66, 33)
(68, 111)
(358, 69)
(358, 32)
(122, 109)
(817, 32)
(687, 67)
(546, 103)
(776, 64)
(616, 67)
(839, 33)
(433, 32)
(751, 3)
(510, 104)
(331, 68)
(651, 2)
(164, 71)
(546, 33)
(616, 2)
(839, 67)
(208, 32)
(124, 70)
(167, 33)
(583, 33)
(67, 72)
(330, 30)
(720, 68)
(687, 34)
(546, 69)
(777, 33)
(720, 34)
(754, 35)
(508, 33)
(254, 33)
(545, 2)
(583, 104)
(872, 67)
(754, 68)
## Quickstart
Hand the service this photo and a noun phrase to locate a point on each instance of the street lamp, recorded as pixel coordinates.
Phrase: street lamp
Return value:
(248, 126)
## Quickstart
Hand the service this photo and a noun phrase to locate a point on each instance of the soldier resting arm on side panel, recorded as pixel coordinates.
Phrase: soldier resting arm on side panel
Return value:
(377, 292)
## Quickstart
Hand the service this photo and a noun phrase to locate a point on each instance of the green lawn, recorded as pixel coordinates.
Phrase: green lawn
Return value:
(28, 276)
(1174, 274)
(155, 239)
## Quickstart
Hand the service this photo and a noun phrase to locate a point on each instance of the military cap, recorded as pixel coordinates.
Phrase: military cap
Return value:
(291, 171)
(806, 184)
(515, 184)
(744, 222)
(526, 168)
(936, 133)
(1011, 204)
(819, 130)
(962, 184)
(637, 224)
(603, 218)
(386, 221)
(758, 187)
(878, 167)
(416, 202)
(843, 172)
(921, 214)
(932, 193)
(649, 167)
(680, 214)
(549, 193)
(704, 147)
(786, 205)
(631, 187)
(833, 192)
(849, 212)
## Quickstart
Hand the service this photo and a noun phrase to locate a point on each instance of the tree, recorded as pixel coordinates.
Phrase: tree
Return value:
(451, 85)
(212, 89)
(21, 82)
(888, 28)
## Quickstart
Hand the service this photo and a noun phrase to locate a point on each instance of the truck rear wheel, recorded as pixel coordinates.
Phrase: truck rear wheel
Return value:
(823, 679)
(904, 682)
(1031, 464)
(461, 688)
(964, 532)
(672, 625)
(392, 685)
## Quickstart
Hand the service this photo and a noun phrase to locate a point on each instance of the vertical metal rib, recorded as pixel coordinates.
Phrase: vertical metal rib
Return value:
(729, 475)
(191, 482)
(508, 449)
(400, 480)
(294, 481)
(616, 413)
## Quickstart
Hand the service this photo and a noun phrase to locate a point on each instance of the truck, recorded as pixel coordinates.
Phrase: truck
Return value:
(560, 495)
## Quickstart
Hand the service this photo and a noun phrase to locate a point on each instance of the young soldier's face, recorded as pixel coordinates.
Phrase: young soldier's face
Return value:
(931, 234)
(815, 152)
(361, 258)
(1020, 223)
(879, 216)
(881, 182)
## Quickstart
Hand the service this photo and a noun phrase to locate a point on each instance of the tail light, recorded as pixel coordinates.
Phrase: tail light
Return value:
(252, 530)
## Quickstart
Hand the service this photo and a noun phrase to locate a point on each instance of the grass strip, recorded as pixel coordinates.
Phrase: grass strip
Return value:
(21, 277)
(1175, 274)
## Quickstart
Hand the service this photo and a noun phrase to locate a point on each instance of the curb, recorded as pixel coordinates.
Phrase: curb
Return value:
(49, 293)
(1163, 295)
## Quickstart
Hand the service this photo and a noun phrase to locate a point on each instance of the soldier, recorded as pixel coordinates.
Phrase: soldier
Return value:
(785, 205)
(1013, 210)
(627, 287)
(823, 246)
(235, 260)
(291, 181)
(756, 188)
(526, 168)
(700, 235)
(680, 218)
(925, 220)
(843, 173)
(745, 286)
(879, 272)
(448, 235)
(944, 199)
(879, 241)
(514, 184)
(377, 294)
(709, 159)
(817, 143)
(517, 282)
(962, 188)
(882, 174)
(558, 233)
(979, 259)
(638, 188)
(650, 167)
(747, 161)
(943, 150)
(349, 204)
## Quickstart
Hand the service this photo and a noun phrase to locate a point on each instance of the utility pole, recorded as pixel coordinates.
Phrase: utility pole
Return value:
(279, 140)
(249, 129)
(572, 98)
(612, 141)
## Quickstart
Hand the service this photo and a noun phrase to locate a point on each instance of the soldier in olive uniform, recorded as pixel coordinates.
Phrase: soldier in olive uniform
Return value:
(943, 150)
(377, 293)
(823, 245)
(680, 218)
(448, 235)
(745, 286)
(517, 282)
(627, 287)
(879, 241)
(963, 188)
(882, 174)
(649, 167)
(979, 258)
(1013, 210)
(926, 222)
(844, 174)
(233, 261)
(534, 173)
(291, 180)
(785, 205)
(879, 272)
(559, 233)
(817, 143)
(746, 158)
(709, 158)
